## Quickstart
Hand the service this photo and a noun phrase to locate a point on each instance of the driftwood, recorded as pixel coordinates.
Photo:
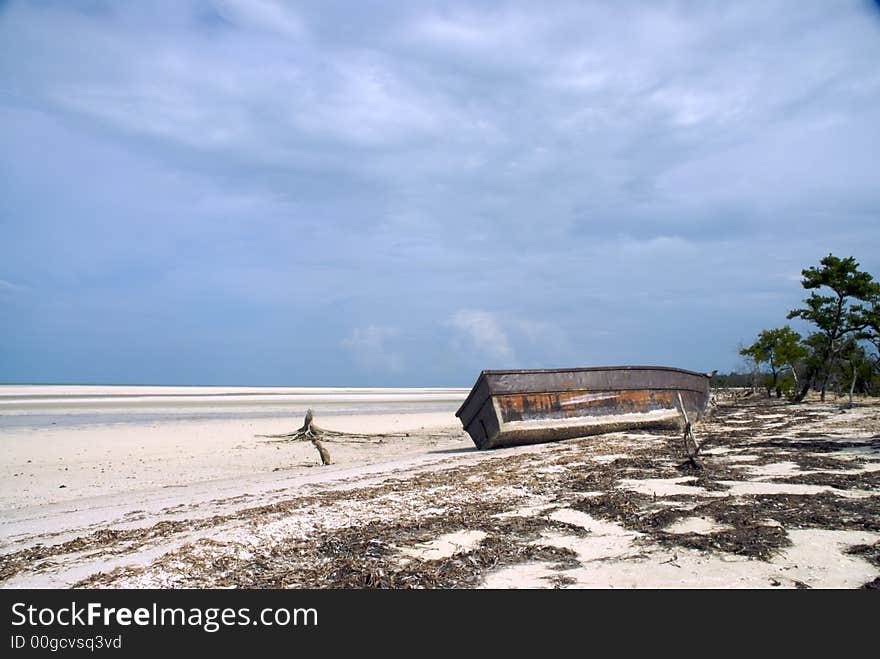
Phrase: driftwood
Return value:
(309, 432)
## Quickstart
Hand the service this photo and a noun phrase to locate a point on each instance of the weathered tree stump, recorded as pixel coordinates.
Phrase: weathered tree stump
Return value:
(309, 432)
(325, 456)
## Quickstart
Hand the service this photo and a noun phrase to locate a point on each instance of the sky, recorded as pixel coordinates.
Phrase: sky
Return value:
(257, 192)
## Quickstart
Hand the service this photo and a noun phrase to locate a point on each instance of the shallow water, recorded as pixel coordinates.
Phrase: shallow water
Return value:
(44, 406)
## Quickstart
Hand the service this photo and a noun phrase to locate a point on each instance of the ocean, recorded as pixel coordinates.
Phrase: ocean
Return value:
(54, 406)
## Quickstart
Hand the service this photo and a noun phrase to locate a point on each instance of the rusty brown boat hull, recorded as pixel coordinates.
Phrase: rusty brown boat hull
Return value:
(509, 408)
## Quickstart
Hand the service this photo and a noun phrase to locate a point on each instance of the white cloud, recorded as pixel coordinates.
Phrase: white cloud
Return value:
(537, 331)
(370, 350)
(490, 33)
(265, 15)
(9, 287)
(482, 331)
(362, 101)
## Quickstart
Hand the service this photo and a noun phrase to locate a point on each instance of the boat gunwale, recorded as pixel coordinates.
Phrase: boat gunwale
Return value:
(524, 371)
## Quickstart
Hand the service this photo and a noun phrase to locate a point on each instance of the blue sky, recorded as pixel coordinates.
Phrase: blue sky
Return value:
(386, 193)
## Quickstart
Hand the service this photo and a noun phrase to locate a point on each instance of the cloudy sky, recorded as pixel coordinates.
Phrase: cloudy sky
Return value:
(386, 193)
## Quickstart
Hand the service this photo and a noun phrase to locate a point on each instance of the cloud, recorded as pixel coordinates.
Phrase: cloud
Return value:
(273, 17)
(370, 350)
(481, 331)
(591, 172)
(8, 289)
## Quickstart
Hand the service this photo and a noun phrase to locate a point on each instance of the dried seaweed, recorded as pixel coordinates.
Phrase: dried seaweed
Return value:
(368, 556)
(869, 480)
(870, 553)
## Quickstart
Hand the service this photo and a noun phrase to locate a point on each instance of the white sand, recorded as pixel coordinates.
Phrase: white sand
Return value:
(817, 558)
(445, 546)
(65, 443)
(91, 461)
(664, 486)
(698, 525)
(776, 470)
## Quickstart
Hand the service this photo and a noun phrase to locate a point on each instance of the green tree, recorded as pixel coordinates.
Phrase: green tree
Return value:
(780, 348)
(854, 364)
(836, 315)
(817, 347)
(870, 333)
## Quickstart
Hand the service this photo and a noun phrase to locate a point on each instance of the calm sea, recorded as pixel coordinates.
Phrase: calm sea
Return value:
(53, 406)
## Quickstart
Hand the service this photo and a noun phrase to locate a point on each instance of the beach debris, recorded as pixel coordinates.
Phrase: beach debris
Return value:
(309, 432)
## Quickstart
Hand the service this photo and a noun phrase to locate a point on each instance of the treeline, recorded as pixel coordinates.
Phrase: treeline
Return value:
(842, 353)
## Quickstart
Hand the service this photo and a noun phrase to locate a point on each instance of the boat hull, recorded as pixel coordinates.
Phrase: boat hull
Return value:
(509, 408)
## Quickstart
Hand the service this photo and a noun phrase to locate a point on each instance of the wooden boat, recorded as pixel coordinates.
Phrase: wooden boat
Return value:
(508, 408)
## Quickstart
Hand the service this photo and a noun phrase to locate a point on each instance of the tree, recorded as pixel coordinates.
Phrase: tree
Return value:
(854, 364)
(780, 348)
(870, 313)
(789, 349)
(752, 358)
(814, 363)
(869, 334)
(835, 315)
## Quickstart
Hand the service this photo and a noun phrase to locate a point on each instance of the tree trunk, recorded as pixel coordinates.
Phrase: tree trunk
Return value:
(805, 389)
(325, 456)
(308, 432)
(773, 386)
(852, 386)
(313, 433)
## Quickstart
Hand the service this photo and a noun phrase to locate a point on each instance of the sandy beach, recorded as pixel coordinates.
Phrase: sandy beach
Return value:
(96, 494)
(68, 443)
